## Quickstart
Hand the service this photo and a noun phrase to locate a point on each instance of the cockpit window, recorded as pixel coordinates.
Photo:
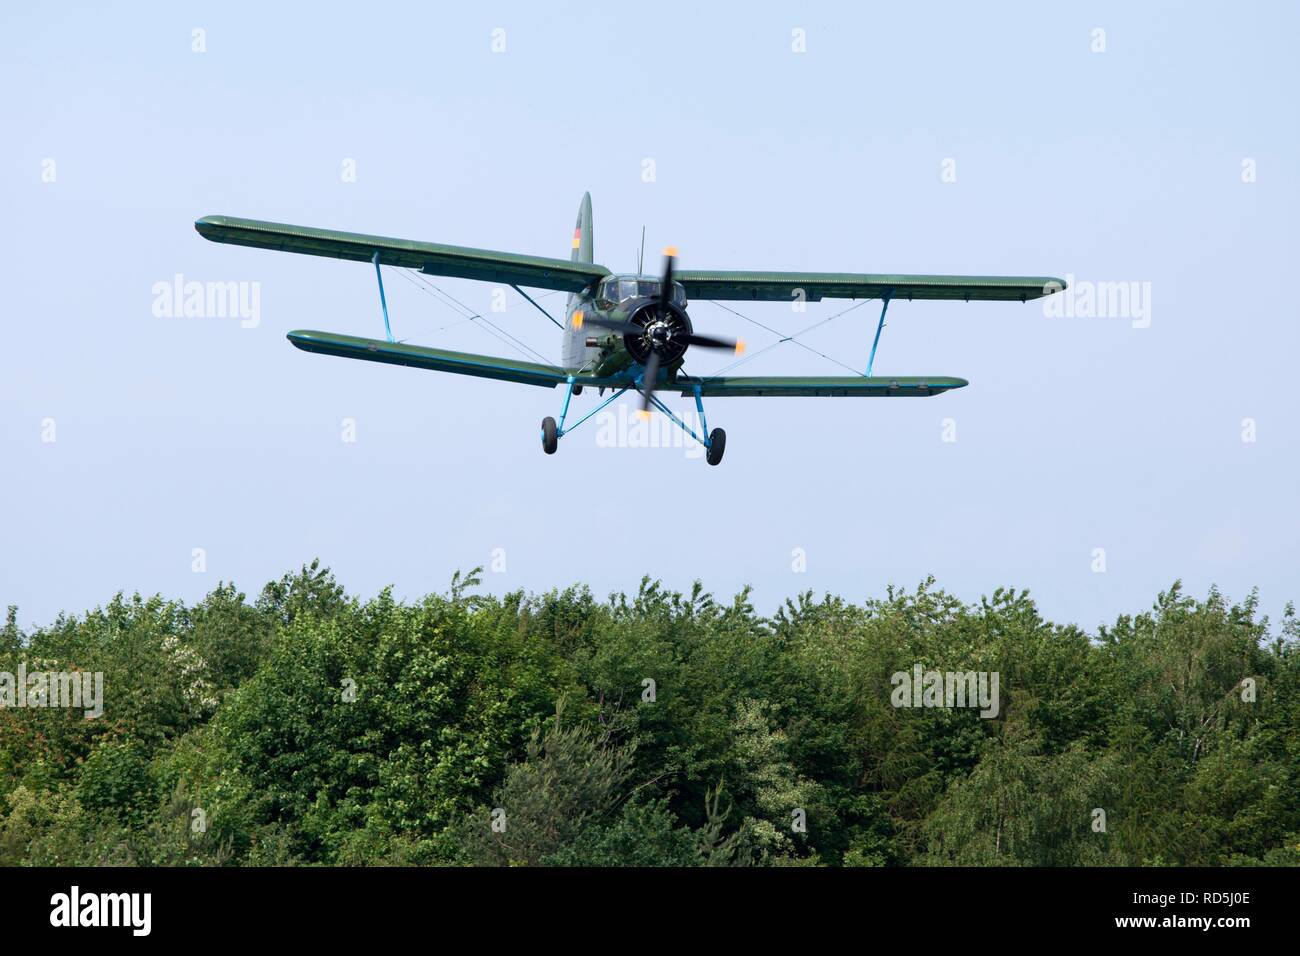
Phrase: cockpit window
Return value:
(639, 288)
(609, 291)
(631, 289)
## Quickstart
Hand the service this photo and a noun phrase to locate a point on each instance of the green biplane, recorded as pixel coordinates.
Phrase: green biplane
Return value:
(621, 331)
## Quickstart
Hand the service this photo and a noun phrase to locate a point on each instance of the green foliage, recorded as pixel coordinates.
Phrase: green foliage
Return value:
(659, 728)
(642, 834)
(114, 782)
(569, 784)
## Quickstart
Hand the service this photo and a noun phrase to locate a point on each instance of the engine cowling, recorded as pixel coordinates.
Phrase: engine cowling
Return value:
(665, 330)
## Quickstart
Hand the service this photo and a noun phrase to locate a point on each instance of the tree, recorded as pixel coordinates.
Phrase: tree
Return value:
(569, 785)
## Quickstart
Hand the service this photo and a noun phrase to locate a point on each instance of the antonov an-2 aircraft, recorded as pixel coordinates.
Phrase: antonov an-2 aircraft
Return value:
(621, 331)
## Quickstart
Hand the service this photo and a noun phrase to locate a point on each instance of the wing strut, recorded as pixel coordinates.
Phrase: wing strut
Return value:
(876, 341)
(383, 302)
(538, 307)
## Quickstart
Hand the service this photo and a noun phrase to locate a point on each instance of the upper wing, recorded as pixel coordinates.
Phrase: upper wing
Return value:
(429, 257)
(839, 386)
(785, 286)
(438, 360)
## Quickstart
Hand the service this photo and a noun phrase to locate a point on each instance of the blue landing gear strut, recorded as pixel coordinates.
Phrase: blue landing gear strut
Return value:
(716, 442)
(552, 432)
(714, 445)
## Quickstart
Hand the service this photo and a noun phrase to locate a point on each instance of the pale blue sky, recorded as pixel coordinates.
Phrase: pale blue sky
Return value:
(1075, 434)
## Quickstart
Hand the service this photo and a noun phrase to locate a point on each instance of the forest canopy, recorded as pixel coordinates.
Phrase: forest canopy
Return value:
(310, 727)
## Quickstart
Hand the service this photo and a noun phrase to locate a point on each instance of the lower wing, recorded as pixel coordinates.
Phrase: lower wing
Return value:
(840, 386)
(438, 360)
(549, 376)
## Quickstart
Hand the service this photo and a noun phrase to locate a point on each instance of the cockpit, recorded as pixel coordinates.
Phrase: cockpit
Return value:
(614, 290)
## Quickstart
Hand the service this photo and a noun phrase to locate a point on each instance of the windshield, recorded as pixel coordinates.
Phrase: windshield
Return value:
(638, 287)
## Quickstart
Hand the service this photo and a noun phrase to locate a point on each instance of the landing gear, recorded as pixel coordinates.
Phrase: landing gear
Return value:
(717, 445)
(577, 390)
(714, 445)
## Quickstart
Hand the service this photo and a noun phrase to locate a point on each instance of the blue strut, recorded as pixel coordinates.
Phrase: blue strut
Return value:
(561, 430)
(654, 400)
(704, 424)
(876, 341)
(382, 301)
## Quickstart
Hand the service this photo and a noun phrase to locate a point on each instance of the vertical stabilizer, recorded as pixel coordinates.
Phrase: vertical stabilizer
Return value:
(583, 250)
(574, 353)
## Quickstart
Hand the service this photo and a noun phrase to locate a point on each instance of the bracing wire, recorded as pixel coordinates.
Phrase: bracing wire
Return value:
(469, 315)
(786, 338)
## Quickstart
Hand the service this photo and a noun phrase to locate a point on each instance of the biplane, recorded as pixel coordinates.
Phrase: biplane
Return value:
(621, 331)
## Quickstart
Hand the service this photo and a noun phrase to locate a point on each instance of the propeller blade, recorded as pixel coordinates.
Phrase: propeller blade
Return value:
(648, 382)
(666, 284)
(713, 342)
(614, 325)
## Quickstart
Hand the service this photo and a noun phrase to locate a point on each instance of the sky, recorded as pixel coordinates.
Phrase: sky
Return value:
(1144, 434)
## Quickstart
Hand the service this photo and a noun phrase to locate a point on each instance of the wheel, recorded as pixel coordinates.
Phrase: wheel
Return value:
(577, 390)
(717, 445)
(550, 440)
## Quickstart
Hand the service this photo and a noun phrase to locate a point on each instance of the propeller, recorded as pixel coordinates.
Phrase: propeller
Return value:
(663, 334)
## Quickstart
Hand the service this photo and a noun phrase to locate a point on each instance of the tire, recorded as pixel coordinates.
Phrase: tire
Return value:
(577, 390)
(550, 440)
(717, 445)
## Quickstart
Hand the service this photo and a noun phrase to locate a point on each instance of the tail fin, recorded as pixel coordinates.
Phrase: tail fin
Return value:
(583, 250)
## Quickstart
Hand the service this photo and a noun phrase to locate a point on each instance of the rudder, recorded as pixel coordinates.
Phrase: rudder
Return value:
(583, 248)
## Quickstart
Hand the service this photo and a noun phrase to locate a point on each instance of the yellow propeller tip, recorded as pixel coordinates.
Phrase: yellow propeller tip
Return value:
(670, 250)
(740, 346)
(577, 320)
(644, 414)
